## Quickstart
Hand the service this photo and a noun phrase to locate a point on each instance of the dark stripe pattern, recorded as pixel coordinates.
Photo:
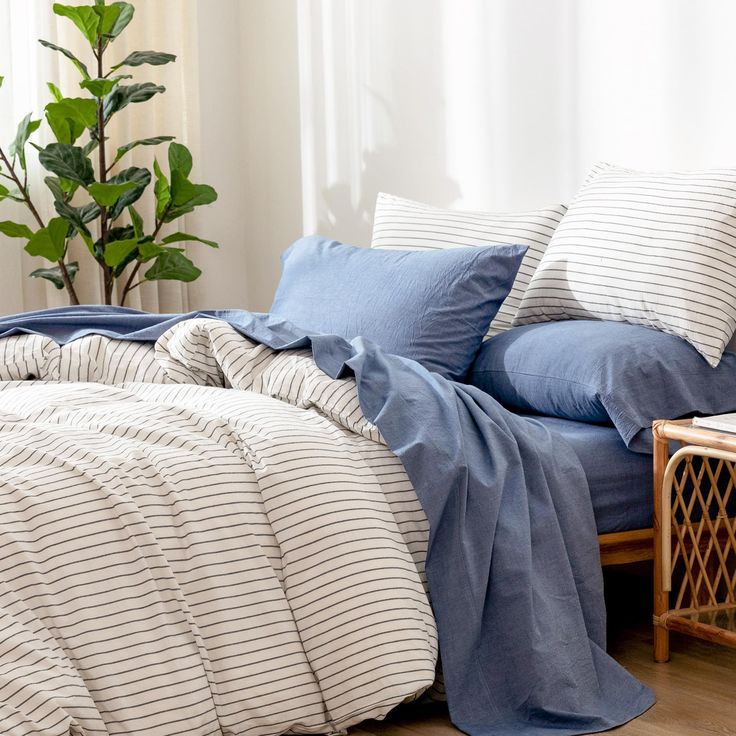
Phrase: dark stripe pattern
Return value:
(654, 249)
(402, 224)
(93, 358)
(177, 558)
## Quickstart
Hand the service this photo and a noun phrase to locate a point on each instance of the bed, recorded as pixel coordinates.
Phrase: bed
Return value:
(123, 466)
(390, 494)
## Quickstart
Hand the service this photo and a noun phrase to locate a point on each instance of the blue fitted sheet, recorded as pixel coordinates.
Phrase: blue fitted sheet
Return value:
(620, 480)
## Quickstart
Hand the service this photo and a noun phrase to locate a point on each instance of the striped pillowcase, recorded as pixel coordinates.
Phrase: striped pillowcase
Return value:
(649, 248)
(401, 224)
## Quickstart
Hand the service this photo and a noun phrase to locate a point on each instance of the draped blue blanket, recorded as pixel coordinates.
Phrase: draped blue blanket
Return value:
(513, 563)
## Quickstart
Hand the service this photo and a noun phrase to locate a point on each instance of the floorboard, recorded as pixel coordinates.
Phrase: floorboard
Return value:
(696, 690)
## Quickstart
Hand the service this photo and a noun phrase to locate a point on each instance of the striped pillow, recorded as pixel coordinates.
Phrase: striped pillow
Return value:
(648, 248)
(402, 224)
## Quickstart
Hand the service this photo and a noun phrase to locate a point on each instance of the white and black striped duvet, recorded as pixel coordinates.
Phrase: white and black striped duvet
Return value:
(178, 558)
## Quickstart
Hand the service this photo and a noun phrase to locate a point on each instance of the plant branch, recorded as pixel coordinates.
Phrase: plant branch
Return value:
(23, 189)
(109, 278)
(160, 222)
(129, 285)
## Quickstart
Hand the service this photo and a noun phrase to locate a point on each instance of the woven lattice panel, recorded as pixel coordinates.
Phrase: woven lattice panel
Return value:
(703, 535)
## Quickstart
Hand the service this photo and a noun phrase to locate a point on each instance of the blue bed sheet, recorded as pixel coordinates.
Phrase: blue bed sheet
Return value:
(619, 480)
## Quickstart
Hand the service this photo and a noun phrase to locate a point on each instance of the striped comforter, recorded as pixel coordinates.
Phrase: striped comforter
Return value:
(177, 557)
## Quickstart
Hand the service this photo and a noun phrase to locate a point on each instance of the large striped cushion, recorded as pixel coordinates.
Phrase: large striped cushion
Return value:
(649, 248)
(402, 224)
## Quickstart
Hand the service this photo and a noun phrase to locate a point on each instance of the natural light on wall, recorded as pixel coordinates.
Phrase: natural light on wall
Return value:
(503, 105)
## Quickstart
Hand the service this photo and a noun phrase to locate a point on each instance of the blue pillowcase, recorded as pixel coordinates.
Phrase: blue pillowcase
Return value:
(603, 372)
(431, 306)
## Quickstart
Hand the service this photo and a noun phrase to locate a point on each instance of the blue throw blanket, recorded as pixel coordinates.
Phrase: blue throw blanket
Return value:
(513, 563)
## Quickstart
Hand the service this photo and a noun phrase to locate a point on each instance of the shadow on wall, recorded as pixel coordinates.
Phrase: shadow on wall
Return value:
(398, 124)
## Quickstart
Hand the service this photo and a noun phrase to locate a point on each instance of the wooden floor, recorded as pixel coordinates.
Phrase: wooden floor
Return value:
(696, 690)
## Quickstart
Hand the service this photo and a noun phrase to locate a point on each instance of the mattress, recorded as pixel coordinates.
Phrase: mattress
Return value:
(620, 480)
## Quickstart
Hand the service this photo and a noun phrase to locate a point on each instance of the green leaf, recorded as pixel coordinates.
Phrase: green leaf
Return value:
(26, 128)
(186, 238)
(138, 58)
(108, 16)
(117, 251)
(138, 176)
(2, 79)
(15, 230)
(142, 142)
(54, 186)
(124, 95)
(205, 194)
(182, 190)
(55, 92)
(137, 221)
(90, 146)
(89, 211)
(68, 162)
(4, 193)
(162, 191)
(99, 87)
(149, 250)
(180, 159)
(54, 274)
(83, 17)
(107, 194)
(124, 17)
(77, 217)
(81, 68)
(68, 187)
(172, 265)
(49, 242)
(70, 117)
(114, 235)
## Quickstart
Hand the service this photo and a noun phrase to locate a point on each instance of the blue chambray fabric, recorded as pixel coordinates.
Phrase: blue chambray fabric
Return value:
(431, 306)
(604, 372)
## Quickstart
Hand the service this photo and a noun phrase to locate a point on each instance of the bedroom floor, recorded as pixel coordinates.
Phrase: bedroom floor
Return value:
(696, 690)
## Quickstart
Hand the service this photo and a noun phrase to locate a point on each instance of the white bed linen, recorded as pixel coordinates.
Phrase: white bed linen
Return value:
(179, 558)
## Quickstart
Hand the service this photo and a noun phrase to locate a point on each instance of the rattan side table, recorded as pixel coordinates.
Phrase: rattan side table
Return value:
(694, 535)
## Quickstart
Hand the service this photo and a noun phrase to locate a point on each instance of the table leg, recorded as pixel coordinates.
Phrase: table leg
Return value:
(661, 516)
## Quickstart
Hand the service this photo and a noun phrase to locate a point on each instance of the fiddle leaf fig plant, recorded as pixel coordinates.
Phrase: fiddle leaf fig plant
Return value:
(94, 193)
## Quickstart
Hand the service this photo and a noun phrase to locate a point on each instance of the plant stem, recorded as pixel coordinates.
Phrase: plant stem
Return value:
(109, 278)
(23, 189)
(129, 285)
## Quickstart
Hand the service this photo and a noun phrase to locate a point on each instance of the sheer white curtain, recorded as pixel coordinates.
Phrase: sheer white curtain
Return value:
(503, 104)
(165, 25)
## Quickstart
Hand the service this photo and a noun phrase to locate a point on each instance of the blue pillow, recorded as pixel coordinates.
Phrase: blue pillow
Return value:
(603, 372)
(431, 306)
